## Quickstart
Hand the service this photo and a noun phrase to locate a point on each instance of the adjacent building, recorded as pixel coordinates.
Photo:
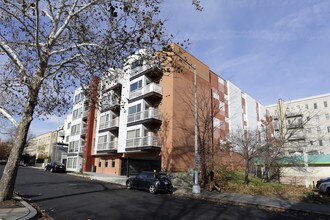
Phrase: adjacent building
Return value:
(306, 124)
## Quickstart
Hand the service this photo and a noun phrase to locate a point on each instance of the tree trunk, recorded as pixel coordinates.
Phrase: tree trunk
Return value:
(8, 178)
(247, 171)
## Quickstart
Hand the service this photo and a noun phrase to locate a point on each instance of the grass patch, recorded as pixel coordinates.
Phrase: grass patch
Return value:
(233, 181)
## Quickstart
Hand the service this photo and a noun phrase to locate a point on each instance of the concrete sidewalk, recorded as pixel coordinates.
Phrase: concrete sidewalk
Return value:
(23, 213)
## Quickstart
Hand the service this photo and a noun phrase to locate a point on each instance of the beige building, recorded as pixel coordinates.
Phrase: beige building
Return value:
(42, 145)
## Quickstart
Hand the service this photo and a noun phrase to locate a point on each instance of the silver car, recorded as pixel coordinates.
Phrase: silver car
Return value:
(325, 187)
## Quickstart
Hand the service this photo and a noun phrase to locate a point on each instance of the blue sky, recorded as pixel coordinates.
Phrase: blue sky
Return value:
(271, 49)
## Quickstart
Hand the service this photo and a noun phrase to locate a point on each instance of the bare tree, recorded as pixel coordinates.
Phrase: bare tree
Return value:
(207, 111)
(246, 142)
(285, 136)
(51, 46)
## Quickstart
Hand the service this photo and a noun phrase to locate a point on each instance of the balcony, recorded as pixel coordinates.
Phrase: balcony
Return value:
(152, 90)
(83, 133)
(113, 83)
(84, 115)
(75, 150)
(143, 143)
(150, 70)
(109, 125)
(107, 147)
(149, 116)
(61, 133)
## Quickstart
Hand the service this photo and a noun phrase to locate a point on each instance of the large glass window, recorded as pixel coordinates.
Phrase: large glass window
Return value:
(136, 86)
(134, 109)
(103, 139)
(133, 134)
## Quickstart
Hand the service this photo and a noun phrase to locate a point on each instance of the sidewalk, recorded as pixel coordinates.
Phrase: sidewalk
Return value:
(23, 213)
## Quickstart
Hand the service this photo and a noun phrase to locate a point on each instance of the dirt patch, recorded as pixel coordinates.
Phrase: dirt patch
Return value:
(11, 203)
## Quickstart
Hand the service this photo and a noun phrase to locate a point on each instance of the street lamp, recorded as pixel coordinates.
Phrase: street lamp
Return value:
(196, 188)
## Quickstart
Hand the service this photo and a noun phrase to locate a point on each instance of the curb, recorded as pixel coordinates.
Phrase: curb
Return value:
(258, 205)
(32, 211)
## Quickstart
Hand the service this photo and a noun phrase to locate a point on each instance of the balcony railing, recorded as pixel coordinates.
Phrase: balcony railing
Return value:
(109, 124)
(108, 84)
(112, 145)
(147, 114)
(76, 149)
(138, 70)
(152, 87)
(146, 141)
(107, 104)
(61, 133)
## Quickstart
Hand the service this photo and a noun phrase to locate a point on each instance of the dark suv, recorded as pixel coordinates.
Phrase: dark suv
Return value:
(151, 181)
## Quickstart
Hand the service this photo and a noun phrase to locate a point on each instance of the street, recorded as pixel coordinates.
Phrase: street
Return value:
(65, 196)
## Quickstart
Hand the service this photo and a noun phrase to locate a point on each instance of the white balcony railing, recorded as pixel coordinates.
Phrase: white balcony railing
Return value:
(152, 87)
(107, 84)
(109, 124)
(147, 114)
(112, 145)
(61, 133)
(146, 141)
(76, 149)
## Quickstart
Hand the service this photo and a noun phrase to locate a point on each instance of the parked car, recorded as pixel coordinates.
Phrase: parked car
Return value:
(325, 187)
(320, 181)
(55, 167)
(151, 181)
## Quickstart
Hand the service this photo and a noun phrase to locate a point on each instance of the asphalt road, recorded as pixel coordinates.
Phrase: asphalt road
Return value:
(65, 196)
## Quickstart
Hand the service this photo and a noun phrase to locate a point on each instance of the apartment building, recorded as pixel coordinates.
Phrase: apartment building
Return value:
(307, 122)
(146, 118)
(76, 122)
(309, 118)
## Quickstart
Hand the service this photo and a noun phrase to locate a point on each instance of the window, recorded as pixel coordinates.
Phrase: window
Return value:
(315, 105)
(320, 142)
(100, 162)
(328, 128)
(311, 142)
(327, 116)
(215, 95)
(134, 109)
(135, 86)
(102, 139)
(113, 163)
(325, 104)
(133, 134)
(73, 146)
(69, 125)
(221, 106)
(67, 138)
(306, 106)
(106, 163)
(75, 129)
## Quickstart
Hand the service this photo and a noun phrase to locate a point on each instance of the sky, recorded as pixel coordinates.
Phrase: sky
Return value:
(270, 49)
